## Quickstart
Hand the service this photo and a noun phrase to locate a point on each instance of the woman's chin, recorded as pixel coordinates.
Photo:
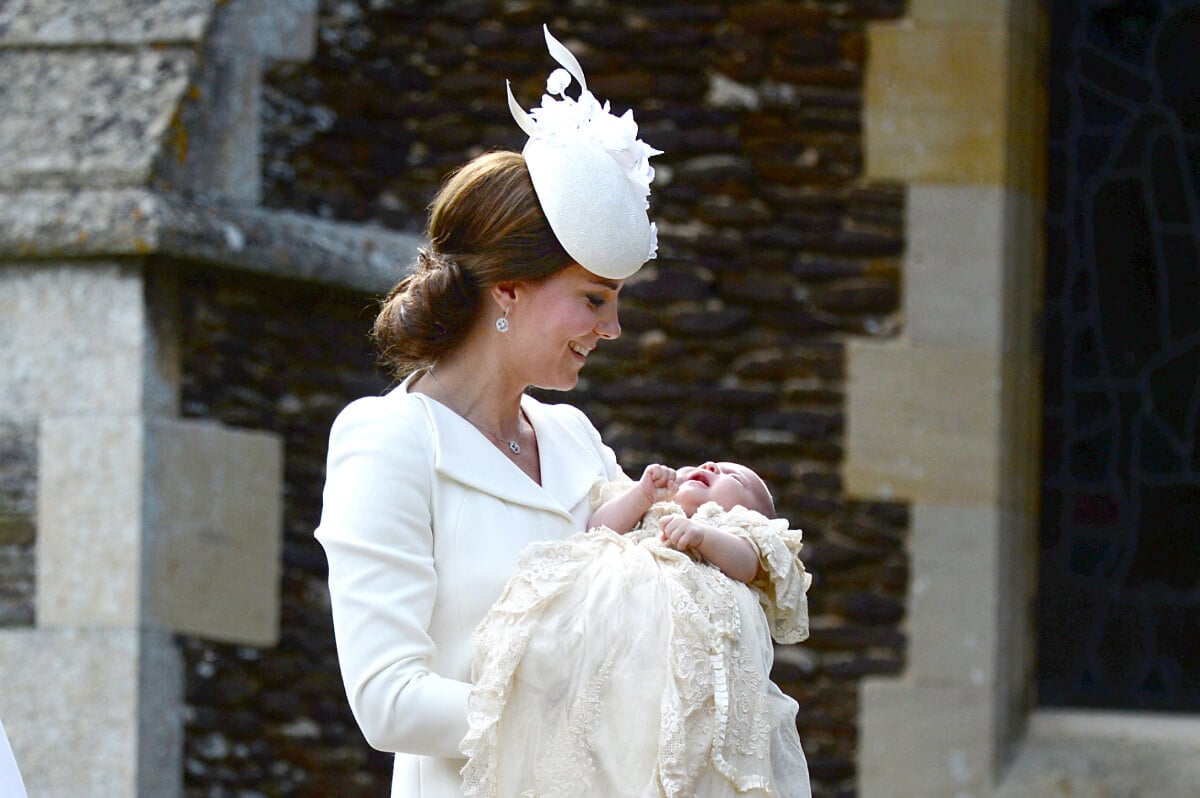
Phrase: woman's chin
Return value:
(560, 382)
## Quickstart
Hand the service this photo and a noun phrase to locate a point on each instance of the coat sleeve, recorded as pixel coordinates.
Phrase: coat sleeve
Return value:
(376, 529)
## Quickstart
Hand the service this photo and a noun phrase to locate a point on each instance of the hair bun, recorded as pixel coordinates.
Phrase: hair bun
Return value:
(429, 260)
(427, 313)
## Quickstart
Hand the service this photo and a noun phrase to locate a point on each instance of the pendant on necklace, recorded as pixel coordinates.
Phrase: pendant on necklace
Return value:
(516, 447)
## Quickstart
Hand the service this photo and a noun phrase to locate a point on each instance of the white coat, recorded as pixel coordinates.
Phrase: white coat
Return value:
(422, 522)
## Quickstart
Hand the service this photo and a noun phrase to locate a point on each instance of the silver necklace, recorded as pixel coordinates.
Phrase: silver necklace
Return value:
(514, 445)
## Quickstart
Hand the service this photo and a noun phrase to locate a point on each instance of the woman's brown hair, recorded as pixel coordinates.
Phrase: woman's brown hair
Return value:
(485, 226)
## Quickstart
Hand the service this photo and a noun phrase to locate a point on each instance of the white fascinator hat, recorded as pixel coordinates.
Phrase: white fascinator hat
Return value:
(590, 171)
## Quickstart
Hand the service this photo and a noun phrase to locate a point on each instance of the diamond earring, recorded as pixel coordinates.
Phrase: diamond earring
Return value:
(502, 322)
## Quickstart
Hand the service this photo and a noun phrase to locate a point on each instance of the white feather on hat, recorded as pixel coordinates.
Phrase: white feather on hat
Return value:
(591, 173)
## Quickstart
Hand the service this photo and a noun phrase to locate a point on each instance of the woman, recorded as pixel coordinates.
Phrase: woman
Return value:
(433, 489)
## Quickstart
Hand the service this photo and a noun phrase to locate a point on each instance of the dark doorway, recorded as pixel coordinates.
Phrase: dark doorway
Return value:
(1119, 584)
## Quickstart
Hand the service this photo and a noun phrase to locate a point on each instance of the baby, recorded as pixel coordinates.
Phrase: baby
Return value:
(727, 484)
(635, 659)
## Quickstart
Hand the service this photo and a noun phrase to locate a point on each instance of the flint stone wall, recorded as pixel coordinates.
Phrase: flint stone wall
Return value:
(774, 253)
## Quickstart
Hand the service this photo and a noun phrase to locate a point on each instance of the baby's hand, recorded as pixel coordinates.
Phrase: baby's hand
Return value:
(659, 483)
(681, 532)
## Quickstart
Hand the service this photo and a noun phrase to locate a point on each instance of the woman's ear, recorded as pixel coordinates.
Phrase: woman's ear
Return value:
(504, 293)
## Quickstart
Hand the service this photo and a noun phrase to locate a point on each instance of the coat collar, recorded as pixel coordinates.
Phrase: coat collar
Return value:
(466, 455)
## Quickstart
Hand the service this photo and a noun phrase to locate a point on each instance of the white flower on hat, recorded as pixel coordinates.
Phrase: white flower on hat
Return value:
(558, 81)
(604, 236)
(588, 119)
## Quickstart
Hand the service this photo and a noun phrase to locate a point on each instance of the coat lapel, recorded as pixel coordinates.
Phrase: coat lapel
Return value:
(458, 455)
(570, 463)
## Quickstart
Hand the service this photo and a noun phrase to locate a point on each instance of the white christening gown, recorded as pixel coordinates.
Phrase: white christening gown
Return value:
(613, 665)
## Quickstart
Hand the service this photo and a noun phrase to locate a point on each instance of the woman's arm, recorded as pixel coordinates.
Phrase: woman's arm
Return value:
(377, 534)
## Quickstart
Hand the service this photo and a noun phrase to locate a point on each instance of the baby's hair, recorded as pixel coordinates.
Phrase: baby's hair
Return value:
(766, 500)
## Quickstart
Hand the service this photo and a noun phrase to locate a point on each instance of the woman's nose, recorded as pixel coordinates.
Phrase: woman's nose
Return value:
(609, 325)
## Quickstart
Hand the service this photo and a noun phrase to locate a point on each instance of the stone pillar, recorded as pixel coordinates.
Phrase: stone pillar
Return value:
(146, 525)
(121, 525)
(216, 150)
(946, 416)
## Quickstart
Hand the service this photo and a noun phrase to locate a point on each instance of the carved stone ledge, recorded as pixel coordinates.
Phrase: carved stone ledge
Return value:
(57, 224)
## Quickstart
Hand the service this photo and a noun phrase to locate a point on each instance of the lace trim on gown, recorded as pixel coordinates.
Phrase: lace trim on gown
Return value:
(545, 650)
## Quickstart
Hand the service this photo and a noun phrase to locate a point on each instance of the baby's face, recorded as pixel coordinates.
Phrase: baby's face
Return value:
(726, 484)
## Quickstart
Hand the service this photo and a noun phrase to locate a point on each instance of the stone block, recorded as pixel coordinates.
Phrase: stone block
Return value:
(102, 22)
(215, 531)
(72, 710)
(1090, 754)
(954, 267)
(913, 146)
(960, 12)
(937, 69)
(935, 103)
(89, 543)
(69, 223)
(954, 596)
(77, 118)
(922, 424)
(1019, 17)
(275, 30)
(72, 339)
(924, 742)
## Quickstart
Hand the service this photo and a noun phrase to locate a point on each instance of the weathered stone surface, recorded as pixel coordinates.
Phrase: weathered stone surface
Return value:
(217, 130)
(87, 352)
(89, 547)
(1095, 754)
(102, 693)
(275, 30)
(947, 131)
(904, 720)
(103, 22)
(41, 224)
(86, 118)
(215, 504)
(655, 284)
(292, 246)
(65, 223)
(924, 429)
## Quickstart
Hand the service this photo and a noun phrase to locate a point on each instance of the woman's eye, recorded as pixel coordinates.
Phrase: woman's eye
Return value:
(595, 301)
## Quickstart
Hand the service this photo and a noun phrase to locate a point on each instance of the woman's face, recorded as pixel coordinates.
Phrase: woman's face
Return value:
(557, 322)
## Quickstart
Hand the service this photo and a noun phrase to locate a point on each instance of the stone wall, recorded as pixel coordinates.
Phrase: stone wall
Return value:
(284, 358)
(775, 252)
(18, 508)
